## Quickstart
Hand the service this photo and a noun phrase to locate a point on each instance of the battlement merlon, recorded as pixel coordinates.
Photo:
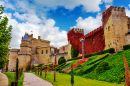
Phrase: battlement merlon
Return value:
(114, 9)
(79, 30)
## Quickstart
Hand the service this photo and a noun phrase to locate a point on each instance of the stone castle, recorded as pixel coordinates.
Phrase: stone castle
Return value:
(114, 33)
(34, 52)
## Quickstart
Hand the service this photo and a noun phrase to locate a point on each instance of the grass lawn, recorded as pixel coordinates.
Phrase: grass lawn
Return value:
(64, 80)
(11, 78)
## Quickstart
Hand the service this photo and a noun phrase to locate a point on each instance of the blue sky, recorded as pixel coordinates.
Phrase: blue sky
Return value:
(52, 19)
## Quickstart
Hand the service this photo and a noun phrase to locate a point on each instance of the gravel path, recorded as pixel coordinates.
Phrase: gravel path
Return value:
(32, 80)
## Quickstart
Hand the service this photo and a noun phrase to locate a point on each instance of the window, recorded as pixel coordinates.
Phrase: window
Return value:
(42, 51)
(109, 28)
(46, 51)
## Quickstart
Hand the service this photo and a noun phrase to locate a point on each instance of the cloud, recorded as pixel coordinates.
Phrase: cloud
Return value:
(129, 5)
(88, 6)
(88, 24)
(46, 30)
(107, 1)
(32, 18)
(127, 12)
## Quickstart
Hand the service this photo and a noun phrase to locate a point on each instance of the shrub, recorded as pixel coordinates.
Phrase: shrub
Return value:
(61, 60)
(74, 53)
(126, 47)
(102, 67)
(111, 50)
(28, 68)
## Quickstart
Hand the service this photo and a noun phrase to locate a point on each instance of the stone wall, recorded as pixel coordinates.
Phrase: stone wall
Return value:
(116, 28)
(12, 59)
(52, 57)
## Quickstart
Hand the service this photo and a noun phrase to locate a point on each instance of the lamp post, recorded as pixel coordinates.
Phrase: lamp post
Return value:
(82, 40)
(55, 70)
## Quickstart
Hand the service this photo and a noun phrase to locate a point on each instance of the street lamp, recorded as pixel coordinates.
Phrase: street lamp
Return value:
(82, 40)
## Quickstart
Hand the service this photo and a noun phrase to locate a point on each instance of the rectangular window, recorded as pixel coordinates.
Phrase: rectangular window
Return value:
(42, 51)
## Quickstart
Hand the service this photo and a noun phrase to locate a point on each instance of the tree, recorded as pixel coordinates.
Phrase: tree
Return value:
(74, 53)
(61, 60)
(5, 38)
(72, 75)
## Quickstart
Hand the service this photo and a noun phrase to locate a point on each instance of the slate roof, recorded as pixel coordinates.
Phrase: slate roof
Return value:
(26, 37)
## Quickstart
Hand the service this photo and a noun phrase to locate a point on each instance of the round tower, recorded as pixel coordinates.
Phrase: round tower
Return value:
(25, 52)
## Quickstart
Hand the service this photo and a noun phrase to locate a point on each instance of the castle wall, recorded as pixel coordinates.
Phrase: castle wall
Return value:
(52, 57)
(69, 50)
(24, 60)
(109, 34)
(127, 37)
(115, 29)
(43, 55)
(12, 59)
(63, 49)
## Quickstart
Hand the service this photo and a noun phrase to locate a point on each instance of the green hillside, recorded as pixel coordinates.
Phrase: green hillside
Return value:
(105, 68)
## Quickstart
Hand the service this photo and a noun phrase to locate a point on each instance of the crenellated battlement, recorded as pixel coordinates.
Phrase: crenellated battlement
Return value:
(119, 9)
(78, 30)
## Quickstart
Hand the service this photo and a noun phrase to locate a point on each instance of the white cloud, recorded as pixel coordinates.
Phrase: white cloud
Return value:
(88, 5)
(107, 6)
(88, 24)
(127, 12)
(107, 1)
(47, 31)
(129, 5)
(32, 18)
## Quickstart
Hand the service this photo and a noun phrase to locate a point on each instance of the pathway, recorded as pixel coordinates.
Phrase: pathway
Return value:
(32, 80)
(3, 80)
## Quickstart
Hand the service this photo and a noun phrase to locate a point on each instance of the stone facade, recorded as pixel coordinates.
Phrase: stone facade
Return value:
(34, 52)
(116, 28)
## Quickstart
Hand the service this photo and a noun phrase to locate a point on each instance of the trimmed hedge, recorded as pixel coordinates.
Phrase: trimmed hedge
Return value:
(126, 47)
(111, 50)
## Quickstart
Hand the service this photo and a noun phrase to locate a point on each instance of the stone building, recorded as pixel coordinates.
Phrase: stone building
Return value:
(115, 29)
(114, 33)
(34, 52)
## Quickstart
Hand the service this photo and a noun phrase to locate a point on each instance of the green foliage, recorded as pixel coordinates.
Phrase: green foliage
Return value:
(115, 71)
(11, 78)
(111, 50)
(61, 60)
(75, 58)
(72, 75)
(20, 81)
(64, 80)
(91, 54)
(74, 53)
(126, 47)
(5, 37)
(28, 68)
(102, 67)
